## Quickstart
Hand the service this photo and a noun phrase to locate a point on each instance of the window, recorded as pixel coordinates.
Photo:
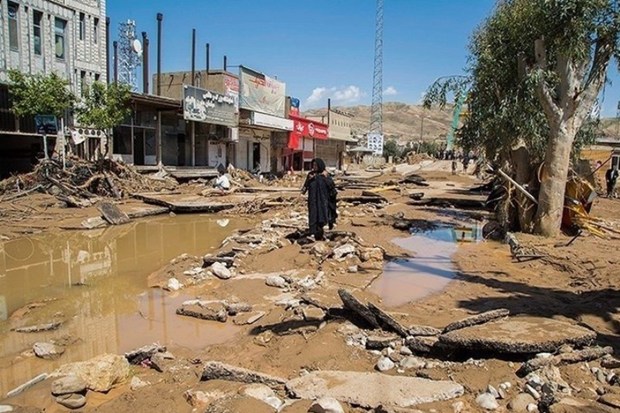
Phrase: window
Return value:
(83, 83)
(97, 77)
(96, 30)
(59, 37)
(82, 25)
(37, 16)
(13, 30)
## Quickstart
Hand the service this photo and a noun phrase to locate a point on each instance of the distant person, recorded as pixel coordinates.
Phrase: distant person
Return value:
(611, 176)
(222, 182)
(321, 199)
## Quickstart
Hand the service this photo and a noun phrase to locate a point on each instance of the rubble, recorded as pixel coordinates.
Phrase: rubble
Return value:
(477, 319)
(214, 370)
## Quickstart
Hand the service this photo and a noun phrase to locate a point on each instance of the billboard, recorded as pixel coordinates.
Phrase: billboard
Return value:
(260, 93)
(375, 143)
(206, 106)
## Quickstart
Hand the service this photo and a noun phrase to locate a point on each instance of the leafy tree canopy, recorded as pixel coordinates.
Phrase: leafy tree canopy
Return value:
(104, 106)
(39, 94)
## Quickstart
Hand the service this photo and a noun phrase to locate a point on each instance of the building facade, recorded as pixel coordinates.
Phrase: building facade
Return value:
(333, 150)
(66, 37)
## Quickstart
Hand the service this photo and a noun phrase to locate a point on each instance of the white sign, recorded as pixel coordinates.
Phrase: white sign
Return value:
(375, 143)
(268, 121)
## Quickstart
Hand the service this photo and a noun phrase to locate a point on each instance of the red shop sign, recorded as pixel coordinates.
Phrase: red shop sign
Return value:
(306, 128)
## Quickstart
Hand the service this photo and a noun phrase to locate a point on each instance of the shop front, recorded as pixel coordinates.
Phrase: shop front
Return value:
(302, 141)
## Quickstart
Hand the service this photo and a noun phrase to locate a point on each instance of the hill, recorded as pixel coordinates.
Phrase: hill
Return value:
(400, 120)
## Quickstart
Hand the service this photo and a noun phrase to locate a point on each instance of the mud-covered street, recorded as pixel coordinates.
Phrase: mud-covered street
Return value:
(408, 305)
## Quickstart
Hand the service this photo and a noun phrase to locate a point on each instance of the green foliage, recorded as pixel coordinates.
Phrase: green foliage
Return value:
(39, 94)
(391, 148)
(104, 106)
(503, 105)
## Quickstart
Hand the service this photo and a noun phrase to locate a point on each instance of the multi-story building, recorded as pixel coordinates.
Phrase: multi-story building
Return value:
(66, 37)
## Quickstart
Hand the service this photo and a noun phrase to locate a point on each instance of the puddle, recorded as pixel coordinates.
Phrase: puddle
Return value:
(410, 279)
(99, 282)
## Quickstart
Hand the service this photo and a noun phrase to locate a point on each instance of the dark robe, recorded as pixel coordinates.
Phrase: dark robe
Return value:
(321, 200)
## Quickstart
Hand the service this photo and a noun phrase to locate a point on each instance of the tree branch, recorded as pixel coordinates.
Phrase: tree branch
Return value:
(596, 76)
(552, 111)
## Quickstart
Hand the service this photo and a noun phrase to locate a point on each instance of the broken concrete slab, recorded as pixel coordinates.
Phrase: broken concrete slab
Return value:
(370, 390)
(248, 318)
(423, 331)
(390, 322)
(355, 305)
(477, 319)
(112, 213)
(213, 312)
(38, 328)
(422, 344)
(138, 355)
(578, 356)
(215, 370)
(518, 335)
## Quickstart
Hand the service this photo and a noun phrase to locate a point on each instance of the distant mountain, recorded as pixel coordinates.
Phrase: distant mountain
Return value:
(400, 120)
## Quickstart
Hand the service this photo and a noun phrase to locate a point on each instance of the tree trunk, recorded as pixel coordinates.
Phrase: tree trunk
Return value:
(526, 209)
(553, 181)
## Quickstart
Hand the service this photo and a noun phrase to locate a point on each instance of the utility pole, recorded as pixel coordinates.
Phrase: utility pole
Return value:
(375, 133)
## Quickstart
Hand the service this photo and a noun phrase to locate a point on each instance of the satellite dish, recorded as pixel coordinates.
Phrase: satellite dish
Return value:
(136, 46)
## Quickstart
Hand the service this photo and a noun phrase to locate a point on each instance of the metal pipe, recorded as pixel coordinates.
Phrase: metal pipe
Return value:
(145, 64)
(208, 58)
(107, 49)
(115, 45)
(193, 57)
(160, 17)
(225, 65)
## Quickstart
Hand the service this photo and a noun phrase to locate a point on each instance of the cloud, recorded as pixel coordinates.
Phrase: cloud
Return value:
(390, 91)
(338, 95)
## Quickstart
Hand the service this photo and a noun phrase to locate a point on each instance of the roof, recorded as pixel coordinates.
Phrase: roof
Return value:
(160, 102)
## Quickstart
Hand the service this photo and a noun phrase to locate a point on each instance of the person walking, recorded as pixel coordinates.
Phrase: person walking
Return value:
(322, 196)
(611, 176)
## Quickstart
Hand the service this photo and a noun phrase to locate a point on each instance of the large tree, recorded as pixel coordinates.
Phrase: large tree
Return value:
(39, 94)
(536, 69)
(103, 107)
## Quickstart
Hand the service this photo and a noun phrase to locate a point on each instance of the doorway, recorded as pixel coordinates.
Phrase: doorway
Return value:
(256, 155)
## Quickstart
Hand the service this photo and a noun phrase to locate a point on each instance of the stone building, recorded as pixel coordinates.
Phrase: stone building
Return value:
(66, 37)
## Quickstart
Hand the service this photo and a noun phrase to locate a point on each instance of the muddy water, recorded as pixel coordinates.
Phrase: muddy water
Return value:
(95, 283)
(409, 279)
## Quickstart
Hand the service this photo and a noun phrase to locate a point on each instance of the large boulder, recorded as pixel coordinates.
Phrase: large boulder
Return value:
(68, 385)
(100, 373)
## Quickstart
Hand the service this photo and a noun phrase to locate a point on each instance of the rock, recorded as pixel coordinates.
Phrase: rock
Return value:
(610, 399)
(423, 331)
(552, 380)
(138, 355)
(532, 408)
(610, 362)
(174, 284)
(262, 393)
(212, 311)
(388, 320)
(370, 390)
(412, 363)
(421, 344)
(321, 249)
(353, 269)
(573, 405)
(493, 391)
(379, 342)
(201, 399)
(27, 385)
(326, 405)
(518, 335)
(100, 373)
(67, 385)
(47, 351)
(353, 304)
(371, 254)
(487, 401)
(136, 383)
(385, 364)
(458, 407)
(214, 370)
(343, 250)
(276, 281)
(477, 319)
(313, 314)
(532, 392)
(71, 401)
(249, 318)
(236, 308)
(5, 408)
(39, 327)
(158, 362)
(221, 271)
(406, 351)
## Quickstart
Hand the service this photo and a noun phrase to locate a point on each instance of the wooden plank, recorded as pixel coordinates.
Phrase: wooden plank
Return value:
(253, 190)
(113, 214)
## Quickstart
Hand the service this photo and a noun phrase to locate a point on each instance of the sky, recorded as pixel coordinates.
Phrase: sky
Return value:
(321, 48)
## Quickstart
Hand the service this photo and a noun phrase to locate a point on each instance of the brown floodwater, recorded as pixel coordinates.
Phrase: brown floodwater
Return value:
(95, 282)
(409, 279)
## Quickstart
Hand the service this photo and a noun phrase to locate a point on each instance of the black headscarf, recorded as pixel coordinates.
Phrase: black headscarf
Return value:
(320, 165)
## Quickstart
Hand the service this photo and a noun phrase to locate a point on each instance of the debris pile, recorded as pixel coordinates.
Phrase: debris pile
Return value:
(80, 183)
